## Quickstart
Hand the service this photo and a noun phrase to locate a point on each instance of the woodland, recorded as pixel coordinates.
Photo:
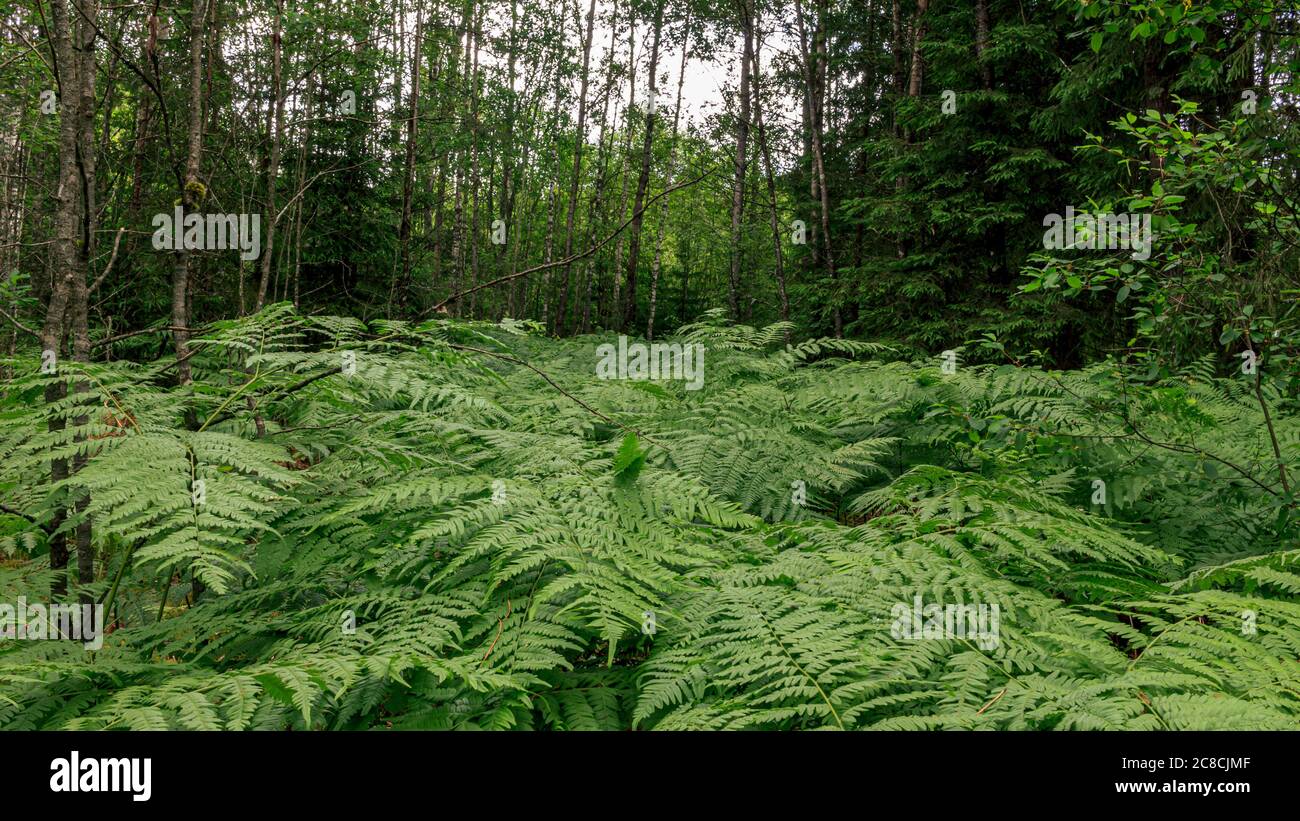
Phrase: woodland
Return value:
(649, 364)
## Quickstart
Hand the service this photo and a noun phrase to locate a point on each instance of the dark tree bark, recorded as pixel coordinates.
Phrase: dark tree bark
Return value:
(918, 37)
(65, 264)
(192, 194)
(408, 177)
(819, 167)
(277, 142)
(982, 42)
(79, 307)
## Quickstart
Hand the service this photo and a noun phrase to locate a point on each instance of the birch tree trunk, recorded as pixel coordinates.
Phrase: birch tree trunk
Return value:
(742, 157)
(579, 140)
(643, 181)
(672, 173)
(614, 314)
(769, 174)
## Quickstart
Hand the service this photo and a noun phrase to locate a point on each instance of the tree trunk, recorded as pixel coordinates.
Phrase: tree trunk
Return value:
(508, 149)
(616, 302)
(982, 42)
(458, 219)
(474, 166)
(299, 191)
(742, 158)
(579, 140)
(918, 67)
(408, 177)
(192, 194)
(896, 51)
(672, 173)
(273, 171)
(596, 206)
(643, 181)
(65, 266)
(819, 170)
(770, 176)
(78, 308)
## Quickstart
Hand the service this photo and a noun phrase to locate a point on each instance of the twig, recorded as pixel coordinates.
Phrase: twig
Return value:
(1000, 694)
(109, 267)
(501, 623)
(1272, 433)
(20, 326)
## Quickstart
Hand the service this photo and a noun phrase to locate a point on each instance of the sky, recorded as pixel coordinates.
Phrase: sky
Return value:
(706, 80)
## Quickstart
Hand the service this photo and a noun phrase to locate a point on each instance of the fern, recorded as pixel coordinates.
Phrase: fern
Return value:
(468, 530)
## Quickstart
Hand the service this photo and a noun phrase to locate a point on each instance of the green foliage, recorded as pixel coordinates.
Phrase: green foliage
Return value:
(444, 539)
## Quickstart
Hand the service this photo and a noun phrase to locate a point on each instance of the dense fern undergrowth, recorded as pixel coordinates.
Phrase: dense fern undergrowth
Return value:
(473, 531)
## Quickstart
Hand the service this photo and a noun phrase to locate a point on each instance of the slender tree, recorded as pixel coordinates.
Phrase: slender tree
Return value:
(643, 180)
